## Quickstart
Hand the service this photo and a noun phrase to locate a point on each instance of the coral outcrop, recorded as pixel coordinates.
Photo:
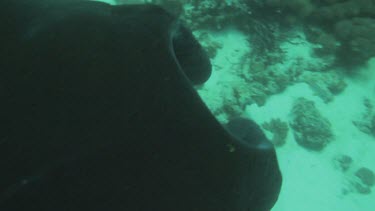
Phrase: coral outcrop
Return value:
(367, 122)
(343, 162)
(364, 180)
(279, 130)
(324, 84)
(311, 130)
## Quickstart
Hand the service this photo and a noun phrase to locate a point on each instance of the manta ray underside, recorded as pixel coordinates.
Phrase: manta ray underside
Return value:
(98, 112)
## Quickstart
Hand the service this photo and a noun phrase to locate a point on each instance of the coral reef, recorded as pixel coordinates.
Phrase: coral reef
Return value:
(279, 129)
(347, 27)
(328, 44)
(241, 14)
(258, 94)
(266, 79)
(353, 25)
(324, 84)
(273, 80)
(208, 14)
(367, 123)
(293, 9)
(311, 130)
(322, 11)
(330, 12)
(211, 46)
(357, 38)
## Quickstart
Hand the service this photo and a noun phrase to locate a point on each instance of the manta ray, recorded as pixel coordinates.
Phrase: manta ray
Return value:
(99, 112)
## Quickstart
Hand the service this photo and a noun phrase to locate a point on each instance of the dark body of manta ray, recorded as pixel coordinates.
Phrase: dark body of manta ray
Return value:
(98, 112)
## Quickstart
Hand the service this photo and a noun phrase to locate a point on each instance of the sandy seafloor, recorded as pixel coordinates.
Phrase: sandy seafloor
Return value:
(311, 180)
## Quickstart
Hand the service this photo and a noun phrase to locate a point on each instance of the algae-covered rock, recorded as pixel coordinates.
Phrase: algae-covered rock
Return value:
(279, 129)
(311, 130)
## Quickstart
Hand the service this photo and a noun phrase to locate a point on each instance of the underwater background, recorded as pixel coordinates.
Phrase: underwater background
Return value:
(305, 71)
